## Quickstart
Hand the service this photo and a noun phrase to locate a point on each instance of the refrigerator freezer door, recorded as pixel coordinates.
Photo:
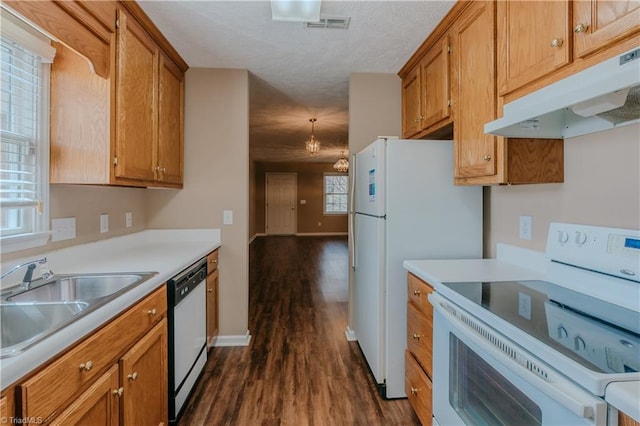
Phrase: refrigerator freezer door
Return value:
(370, 179)
(369, 291)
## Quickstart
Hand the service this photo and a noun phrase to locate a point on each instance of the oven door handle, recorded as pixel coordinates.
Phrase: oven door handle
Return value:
(562, 391)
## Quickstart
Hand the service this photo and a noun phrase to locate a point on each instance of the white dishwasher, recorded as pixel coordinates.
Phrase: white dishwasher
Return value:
(187, 333)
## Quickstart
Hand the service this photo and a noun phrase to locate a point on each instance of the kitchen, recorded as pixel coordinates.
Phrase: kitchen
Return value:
(588, 195)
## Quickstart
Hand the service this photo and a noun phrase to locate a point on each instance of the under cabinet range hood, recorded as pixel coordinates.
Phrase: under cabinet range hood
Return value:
(601, 97)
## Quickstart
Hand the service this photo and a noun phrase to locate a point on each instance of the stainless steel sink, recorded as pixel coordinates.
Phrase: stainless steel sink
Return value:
(21, 323)
(30, 315)
(77, 287)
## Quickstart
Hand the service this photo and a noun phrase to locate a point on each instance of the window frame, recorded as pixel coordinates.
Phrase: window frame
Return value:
(25, 36)
(324, 194)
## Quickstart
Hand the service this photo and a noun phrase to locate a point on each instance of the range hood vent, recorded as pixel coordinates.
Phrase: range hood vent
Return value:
(601, 97)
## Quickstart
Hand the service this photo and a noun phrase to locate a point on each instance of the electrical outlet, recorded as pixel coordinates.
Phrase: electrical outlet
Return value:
(128, 219)
(63, 229)
(104, 223)
(227, 217)
(525, 227)
(524, 305)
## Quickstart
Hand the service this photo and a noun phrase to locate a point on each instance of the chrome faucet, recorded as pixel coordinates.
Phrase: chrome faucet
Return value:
(28, 276)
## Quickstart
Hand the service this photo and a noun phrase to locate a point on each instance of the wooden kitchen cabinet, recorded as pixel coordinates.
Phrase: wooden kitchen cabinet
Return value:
(599, 23)
(79, 373)
(117, 95)
(98, 405)
(212, 297)
(7, 404)
(542, 42)
(534, 39)
(624, 420)
(419, 353)
(474, 82)
(143, 377)
(426, 100)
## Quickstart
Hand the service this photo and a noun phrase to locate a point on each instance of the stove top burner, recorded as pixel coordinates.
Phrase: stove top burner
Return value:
(568, 321)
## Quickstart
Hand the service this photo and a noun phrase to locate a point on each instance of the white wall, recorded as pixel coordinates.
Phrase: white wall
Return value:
(216, 178)
(601, 187)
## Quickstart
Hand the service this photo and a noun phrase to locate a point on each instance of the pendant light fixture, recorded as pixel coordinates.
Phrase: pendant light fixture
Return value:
(312, 145)
(342, 165)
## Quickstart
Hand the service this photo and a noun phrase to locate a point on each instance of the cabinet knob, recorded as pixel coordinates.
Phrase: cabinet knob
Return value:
(414, 391)
(416, 120)
(557, 42)
(118, 392)
(581, 28)
(209, 290)
(133, 376)
(415, 336)
(214, 260)
(163, 169)
(487, 158)
(417, 292)
(86, 366)
(152, 312)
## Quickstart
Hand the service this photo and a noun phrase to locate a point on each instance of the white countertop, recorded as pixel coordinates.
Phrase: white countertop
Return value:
(469, 270)
(166, 252)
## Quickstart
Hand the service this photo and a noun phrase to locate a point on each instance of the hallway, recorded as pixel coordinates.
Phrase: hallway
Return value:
(298, 369)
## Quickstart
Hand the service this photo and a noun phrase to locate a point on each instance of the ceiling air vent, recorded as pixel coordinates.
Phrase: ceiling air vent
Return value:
(337, 23)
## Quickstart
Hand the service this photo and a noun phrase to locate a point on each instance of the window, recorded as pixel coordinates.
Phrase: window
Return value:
(335, 193)
(24, 136)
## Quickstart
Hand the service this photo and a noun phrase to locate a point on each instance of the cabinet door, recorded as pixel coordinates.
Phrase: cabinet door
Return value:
(474, 91)
(435, 84)
(212, 306)
(533, 40)
(597, 23)
(136, 100)
(98, 405)
(143, 375)
(170, 122)
(411, 103)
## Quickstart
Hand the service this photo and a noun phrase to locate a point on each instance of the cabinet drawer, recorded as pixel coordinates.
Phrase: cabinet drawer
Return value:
(418, 388)
(420, 337)
(418, 291)
(47, 391)
(212, 262)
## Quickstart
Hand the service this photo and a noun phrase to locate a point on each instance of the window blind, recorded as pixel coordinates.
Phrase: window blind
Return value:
(19, 132)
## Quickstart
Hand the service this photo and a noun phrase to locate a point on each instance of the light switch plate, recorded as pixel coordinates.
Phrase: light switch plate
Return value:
(128, 219)
(63, 229)
(525, 227)
(227, 217)
(104, 223)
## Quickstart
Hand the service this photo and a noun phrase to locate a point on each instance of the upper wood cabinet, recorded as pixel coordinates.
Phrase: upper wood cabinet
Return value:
(474, 91)
(597, 23)
(533, 41)
(117, 95)
(540, 42)
(136, 100)
(426, 100)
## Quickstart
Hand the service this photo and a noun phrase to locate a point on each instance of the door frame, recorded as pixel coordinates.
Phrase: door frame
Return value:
(266, 199)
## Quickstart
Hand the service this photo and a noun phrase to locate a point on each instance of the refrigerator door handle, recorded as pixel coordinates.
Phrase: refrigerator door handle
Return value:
(352, 214)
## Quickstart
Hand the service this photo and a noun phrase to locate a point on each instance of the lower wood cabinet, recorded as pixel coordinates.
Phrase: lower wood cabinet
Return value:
(419, 353)
(118, 375)
(212, 297)
(624, 420)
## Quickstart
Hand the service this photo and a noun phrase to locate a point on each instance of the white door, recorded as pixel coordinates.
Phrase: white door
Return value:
(281, 203)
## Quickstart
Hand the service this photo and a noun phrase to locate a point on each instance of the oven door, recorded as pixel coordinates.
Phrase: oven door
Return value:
(482, 378)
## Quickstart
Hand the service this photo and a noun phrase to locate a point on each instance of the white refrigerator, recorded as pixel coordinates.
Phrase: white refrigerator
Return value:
(404, 206)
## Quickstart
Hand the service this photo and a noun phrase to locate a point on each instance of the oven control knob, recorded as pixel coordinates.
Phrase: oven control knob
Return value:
(562, 333)
(580, 344)
(581, 238)
(563, 237)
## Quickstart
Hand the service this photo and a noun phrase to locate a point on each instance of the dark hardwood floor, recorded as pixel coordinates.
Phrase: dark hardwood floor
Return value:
(298, 369)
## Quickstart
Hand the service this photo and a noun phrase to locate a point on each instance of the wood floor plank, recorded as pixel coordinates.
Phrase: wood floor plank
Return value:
(298, 369)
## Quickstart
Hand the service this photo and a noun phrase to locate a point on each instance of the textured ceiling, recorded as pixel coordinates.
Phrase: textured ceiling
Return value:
(297, 73)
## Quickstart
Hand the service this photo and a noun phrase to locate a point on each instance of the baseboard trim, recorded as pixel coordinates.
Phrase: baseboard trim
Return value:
(256, 236)
(320, 234)
(232, 340)
(350, 334)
